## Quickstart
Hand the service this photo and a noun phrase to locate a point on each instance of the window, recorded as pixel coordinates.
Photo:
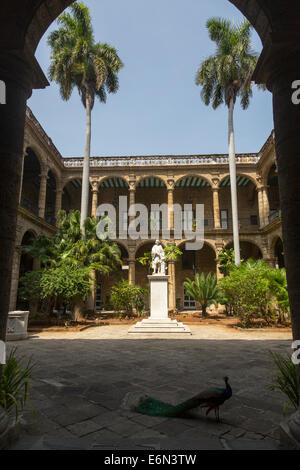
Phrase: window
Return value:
(224, 219)
(253, 220)
(188, 302)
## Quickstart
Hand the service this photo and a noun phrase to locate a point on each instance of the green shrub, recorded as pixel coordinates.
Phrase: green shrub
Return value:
(254, 290)
(126, 297)
(203, 288)
(286, 379)
(15, 382)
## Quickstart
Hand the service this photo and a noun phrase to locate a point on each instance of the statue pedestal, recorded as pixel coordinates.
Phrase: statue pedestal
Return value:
(159, 322)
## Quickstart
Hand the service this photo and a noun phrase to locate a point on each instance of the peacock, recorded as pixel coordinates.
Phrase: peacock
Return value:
(211, 399)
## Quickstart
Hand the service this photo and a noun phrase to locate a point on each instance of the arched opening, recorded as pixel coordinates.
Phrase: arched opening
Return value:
(273, 193)
(248, 250)
(50, 198)
(279, 254)
(195, 190)
(105, 283)
(152, 190)
(71, 197)
(190, 263)
(247, 203)
(142, 271)
(26, 264)
(31, 182)
(110, 191)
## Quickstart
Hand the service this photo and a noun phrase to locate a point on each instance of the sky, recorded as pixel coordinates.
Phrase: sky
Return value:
(158, 109)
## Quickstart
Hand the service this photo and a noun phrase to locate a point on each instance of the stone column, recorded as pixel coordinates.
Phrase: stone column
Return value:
(287, 141)
(22, 169)
(43, 192)
(261, 210)
(132, 189)
(94, 198)
(171, 185)
(20, 75)
(172, 286)
(216, 207)
(131, 272)
(15, 278)
(265, 200)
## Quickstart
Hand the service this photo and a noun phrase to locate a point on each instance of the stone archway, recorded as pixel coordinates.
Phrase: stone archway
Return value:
(22, 26)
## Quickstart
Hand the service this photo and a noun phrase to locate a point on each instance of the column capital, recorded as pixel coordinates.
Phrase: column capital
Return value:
(95, 186)
(132, 185)
(170, 184)
(215, 182)
(22, 68)
(44, 173)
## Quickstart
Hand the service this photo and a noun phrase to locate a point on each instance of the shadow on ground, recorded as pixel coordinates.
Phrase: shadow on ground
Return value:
(83, 388)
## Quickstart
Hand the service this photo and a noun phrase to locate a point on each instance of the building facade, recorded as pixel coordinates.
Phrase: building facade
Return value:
(51, 183)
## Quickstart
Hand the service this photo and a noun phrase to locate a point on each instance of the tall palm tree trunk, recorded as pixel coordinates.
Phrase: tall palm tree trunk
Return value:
(86, 166)
(233, 185)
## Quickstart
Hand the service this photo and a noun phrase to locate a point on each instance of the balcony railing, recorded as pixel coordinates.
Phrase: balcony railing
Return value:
(244, 224)
(161, 161)
(274, 215)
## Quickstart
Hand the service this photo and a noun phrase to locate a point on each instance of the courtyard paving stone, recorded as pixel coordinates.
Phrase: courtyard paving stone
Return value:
(84, 384)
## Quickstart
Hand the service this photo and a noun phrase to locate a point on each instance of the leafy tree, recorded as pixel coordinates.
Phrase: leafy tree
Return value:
(203, 288)
(125, 296)
(172, 252)
(226, 261)
(254, 290)
(30, 286)
(68, 247)
(92, 67)
(68, 262)
(224, 77)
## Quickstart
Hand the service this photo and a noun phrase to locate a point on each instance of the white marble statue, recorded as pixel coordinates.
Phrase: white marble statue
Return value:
(158, 259)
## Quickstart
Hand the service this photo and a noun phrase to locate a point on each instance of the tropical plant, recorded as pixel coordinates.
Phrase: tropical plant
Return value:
(126, 297)
(15, 382)
(203, 288)
(224, 77)
(146, 260)
(78, 61)
(279, 291)
(172, 253)
(285, 379)
(69, 262)
(68, 247)
(226, 261)
(252, 292)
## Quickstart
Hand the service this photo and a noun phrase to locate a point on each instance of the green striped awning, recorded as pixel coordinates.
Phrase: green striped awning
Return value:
(114, 183)
(192, 182)
(151, 182)
(241, 181)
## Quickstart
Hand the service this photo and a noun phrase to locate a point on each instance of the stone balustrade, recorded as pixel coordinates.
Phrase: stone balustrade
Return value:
(160, 161)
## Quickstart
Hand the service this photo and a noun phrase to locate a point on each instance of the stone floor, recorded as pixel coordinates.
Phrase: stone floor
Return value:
(85, 382)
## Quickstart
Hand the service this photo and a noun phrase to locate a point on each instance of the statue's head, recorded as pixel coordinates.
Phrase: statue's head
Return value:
(157, 242)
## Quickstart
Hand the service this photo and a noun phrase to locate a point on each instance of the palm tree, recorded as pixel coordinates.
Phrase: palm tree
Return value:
(203, 288)
(224, 77)
(68, 247)
(77, 61)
